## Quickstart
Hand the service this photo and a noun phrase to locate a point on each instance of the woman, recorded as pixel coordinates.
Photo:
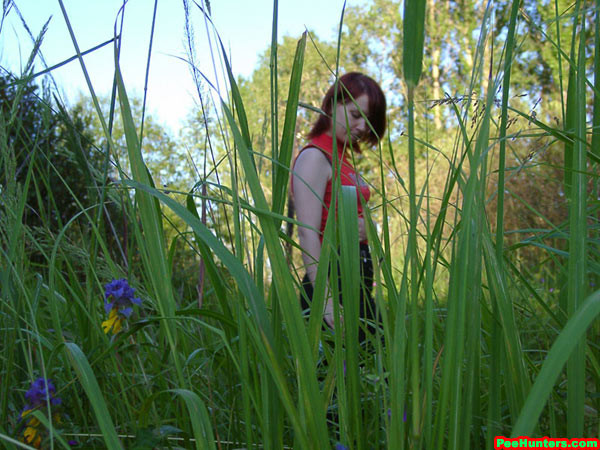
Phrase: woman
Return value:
(358, 97)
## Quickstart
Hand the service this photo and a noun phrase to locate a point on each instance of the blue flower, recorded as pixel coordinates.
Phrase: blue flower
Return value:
(339, 446)
(40, 391)
(121, 296)
(118, 302)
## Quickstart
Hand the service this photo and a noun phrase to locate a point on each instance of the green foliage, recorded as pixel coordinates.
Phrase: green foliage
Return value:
(414, 35)
(54, 148)
(484, 272)
(92, 390)
(319, 59)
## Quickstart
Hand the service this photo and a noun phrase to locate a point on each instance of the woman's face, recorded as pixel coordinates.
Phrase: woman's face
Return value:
(350, 119)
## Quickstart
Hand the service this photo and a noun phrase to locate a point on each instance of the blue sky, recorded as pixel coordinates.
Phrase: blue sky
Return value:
(244, 27)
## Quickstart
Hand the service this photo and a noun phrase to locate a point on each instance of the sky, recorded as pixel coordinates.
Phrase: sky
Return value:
(243, 25)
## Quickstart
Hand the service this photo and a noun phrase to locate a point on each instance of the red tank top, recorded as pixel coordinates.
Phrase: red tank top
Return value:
(348, 176)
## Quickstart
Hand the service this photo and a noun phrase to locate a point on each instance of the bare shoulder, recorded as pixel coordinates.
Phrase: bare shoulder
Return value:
(311, 172)
(312, 158)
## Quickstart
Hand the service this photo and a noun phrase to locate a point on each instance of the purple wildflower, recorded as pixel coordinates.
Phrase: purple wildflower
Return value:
(73, 443)
(339, 446)
(118, 302)
(119, 295)
(38, 395)
(40, 391)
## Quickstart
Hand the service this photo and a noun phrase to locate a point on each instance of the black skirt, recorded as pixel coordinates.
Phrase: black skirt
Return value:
(367, 310)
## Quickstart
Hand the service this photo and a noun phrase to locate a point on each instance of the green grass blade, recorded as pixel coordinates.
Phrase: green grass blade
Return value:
(309, 395)
(595, 150)
(564, 345)
(151, 218)
(148, 71)
(28, 78)
(49, 426)
(214, 274)
(413, 39)
(461, 359)
(578, 228)
(519, 380)
(414, 270)
(596, 113)
(199, 417)
(350, 277)
(244, 281)
(238, 104)
(281, 163)
(86, 74)
(571, 110)
(92, 390)
(15, 443)
(274, 99)
(510, 45)
(264, 338)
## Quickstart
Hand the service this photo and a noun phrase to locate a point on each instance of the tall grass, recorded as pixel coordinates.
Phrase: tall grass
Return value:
(456, 364)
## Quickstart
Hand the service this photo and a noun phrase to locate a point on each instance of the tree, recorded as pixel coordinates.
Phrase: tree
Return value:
(55, 146)
(317, 76)
(171, 164)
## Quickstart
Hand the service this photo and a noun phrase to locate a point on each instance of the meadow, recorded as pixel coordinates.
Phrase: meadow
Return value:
(149, 293)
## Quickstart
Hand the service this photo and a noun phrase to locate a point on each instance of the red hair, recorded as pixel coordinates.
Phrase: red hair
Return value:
(349, 87)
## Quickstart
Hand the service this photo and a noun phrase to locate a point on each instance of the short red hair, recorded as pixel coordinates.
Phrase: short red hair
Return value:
(355, 84)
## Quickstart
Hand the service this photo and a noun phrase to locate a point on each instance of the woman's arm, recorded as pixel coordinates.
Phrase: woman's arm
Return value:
(312, 171)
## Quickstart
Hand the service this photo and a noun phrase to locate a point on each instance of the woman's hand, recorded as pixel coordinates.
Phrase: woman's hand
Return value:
(362, 229)
(329, 314)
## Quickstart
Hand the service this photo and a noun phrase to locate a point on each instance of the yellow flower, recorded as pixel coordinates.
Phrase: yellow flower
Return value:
(114, 322)
(33, 422)
(32, 437)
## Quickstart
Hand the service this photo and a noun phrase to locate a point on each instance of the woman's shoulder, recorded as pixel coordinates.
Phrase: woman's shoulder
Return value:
(311, 154)
(312, 163)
